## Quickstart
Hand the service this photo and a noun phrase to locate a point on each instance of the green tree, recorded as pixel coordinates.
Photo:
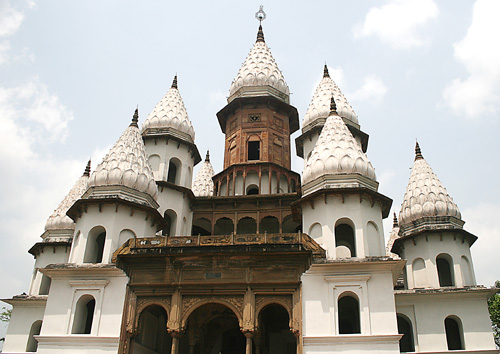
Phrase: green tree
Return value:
(494, 308)
(5, 314)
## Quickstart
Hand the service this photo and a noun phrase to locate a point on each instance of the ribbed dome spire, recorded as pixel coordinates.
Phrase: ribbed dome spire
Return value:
(425, 195)
(170, 113)
(203, 186)
(320, 103)
(59, 220)
(337, 153)
(126, 164)
(393, 237)
(259, 75)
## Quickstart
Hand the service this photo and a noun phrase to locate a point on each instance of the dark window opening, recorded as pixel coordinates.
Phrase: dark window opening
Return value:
(344, 236)
(406, 342)
(253, 150)
(444, 272)
(45, 285)
(453, 334)
(84, 315)
(253, 191)
(172, 172)
(348, 315)
(100, 247)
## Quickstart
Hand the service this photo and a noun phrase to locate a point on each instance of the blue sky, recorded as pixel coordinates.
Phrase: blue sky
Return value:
(72, 73)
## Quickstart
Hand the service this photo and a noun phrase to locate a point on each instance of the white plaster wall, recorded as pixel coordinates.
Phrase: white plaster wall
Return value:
(170, 199)
(166, 151)
(23, 316)
(360, 213)
(113, 221)
(428, 247)
(428, 312)
(321, 287)
(48, 255)
(108, 309)
(309, 144)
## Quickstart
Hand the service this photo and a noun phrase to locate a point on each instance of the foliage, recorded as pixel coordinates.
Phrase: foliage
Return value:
(494, 308)
(5, 314)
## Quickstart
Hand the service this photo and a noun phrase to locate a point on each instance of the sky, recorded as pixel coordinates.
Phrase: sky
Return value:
(72, 73)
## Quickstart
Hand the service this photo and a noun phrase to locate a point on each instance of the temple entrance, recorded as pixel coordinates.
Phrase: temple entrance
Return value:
(152, 334)
(274, 335)
(212, 329)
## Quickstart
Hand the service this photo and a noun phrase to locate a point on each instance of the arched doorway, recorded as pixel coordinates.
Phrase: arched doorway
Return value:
(274, 335)
(212, 329)
(152, 335)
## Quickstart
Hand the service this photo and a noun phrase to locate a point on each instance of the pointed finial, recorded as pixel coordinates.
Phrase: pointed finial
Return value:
(395, 221)
(333, 106)
(260, 15)
(418, 153)
(325, 71)
(174, 83)
(135, 118)
(87, 170)
(260, 35)
(207, 158)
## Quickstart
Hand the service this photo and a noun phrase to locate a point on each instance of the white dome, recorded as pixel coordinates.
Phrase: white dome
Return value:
(320, 103)
(337, 152)
(59, 220)
(425, 195)
(126, 164)
(170, 112)
(203, 186)
(260, 69)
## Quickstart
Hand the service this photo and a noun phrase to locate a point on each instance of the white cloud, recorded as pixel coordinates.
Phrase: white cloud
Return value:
(372, 90)
(481, 220)
(398, 23)
(479, 52)
(33, 183)
(10, 19)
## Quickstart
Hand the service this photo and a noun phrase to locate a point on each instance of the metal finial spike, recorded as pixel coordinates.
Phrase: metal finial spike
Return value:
(325, 71)
(260, 35)
(135, 119)
(333, 106)
(207, 158)
(87, 170)
(418, 153)
(395, 222)
(174, 83)
(260, 15)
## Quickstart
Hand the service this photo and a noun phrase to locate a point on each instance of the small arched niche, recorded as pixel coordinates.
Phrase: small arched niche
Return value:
(444, 264)
(252, 189)
(269, 224)
(202, 227)
(124, 236)
(246, 225)
(348, 311)
(84, 315)
(223, 226)
(345, 243)
(419, 273)
(467, 278)
(174, 170)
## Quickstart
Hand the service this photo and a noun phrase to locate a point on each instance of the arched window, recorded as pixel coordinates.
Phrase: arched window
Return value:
(406, 343)
(154, 162)
(124, 236)
(246, 226)
(95, 245)
(174, 170)
(170, 218)
(465, 267)
(445, 273)
(252, 189)
(44, 285)
(344, 241)
(348, 307)
(201, 226)
(84, 315)
(293, 187)
(224, 226)
(454, 335)
(32, 344)
(275, 334)
(269, 224)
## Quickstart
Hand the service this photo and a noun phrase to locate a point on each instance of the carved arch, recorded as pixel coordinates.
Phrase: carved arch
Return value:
(143, 304)
(284, 302)
(197, 303)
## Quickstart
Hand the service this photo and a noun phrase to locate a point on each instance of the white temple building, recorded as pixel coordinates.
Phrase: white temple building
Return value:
(140, 257)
